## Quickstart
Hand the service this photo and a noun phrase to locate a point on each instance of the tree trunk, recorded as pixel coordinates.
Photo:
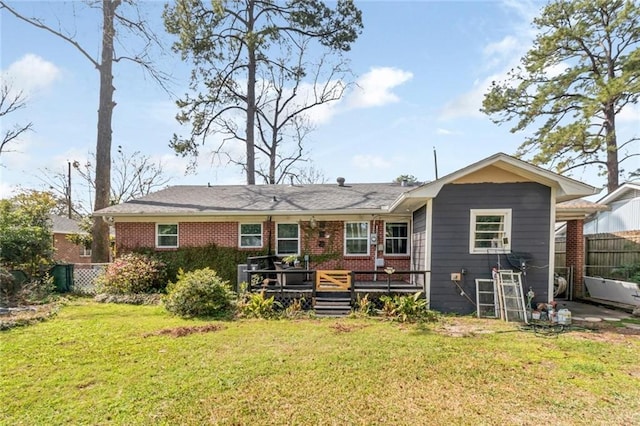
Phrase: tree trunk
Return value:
(100, 229)
(251, 97)
(612, 148)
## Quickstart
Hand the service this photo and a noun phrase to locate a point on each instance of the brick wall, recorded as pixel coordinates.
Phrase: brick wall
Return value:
(66, 251)
(575, 254)
(325, 238)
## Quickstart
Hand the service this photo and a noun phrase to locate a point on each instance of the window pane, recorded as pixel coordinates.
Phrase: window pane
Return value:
(394, 246)
(287, 247)
(250, 241)
(357, 246)
(396, 238)
(167, 229)
(250, 228)
(398, 230)
(357, 230)
(167, 241)
(287, 230)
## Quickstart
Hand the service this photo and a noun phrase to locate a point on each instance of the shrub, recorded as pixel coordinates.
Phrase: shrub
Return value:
(132, 273)
(365, 306)
(629, 272)
(407, 308)
(199, 293)
(256, 305)
(295, 308)
(8, 288)
(14, 292)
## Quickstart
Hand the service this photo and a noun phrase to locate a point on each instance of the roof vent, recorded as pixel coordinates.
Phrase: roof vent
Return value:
(340, 181)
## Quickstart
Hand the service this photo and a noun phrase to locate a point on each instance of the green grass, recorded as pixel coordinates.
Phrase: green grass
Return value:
(120, 364)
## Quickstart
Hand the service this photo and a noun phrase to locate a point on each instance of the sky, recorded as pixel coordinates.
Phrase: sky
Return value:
(421, 68)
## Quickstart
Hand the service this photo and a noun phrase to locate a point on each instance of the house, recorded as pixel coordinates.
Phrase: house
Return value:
(497, 213)
(622, 216)
(65, 250)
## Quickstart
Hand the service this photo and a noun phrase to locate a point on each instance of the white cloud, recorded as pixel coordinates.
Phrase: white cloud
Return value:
(468, 104)
(369, 161)
(629, 114)
(375, 87)
(444, 132)
(496, 53)
(31, 74)
(499, 57)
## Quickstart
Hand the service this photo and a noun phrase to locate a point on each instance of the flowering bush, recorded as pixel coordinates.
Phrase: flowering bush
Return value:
(132, 273)
(199, 293)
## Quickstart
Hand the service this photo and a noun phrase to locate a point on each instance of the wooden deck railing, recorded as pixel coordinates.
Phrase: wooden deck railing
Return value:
(334, 280)
(340, 280)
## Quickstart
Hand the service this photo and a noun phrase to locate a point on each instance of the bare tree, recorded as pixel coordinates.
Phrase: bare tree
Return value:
(310, 175)
(10, 102)
(230, 42)
(133, 175)
(129, 22)
(288, 89)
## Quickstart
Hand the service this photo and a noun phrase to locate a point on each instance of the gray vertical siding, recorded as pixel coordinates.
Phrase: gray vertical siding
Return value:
(530, 227)
(420, 220)
(419, 242)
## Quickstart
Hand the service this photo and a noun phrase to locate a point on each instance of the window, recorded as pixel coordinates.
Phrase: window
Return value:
(85, 251)
(490, 231)
(396, 238)
(167, 235)
(356, 238)
(250, 235)
(287, 238)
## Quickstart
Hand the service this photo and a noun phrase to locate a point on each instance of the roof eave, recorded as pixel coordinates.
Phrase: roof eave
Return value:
(371, 211)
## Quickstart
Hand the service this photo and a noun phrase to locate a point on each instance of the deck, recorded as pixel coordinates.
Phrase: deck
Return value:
(314, 285)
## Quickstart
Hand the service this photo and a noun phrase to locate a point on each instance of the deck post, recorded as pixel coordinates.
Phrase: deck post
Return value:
(353, 287)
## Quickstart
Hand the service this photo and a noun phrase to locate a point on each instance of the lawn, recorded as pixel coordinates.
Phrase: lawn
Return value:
(118, 364)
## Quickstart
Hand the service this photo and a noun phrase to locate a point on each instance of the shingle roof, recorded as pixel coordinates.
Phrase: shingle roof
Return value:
(64, 225)
(185, 199)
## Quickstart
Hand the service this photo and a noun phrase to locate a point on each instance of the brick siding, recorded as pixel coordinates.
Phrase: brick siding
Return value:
(324, 238)
(575, 254)
(66, 251)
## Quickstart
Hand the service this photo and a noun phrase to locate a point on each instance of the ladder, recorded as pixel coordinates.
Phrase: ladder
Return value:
(510, 296)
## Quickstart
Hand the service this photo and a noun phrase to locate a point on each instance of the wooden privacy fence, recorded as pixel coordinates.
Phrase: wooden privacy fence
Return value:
(606, 255)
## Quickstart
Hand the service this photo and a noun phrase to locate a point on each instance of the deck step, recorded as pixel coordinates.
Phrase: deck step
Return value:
(332, 306)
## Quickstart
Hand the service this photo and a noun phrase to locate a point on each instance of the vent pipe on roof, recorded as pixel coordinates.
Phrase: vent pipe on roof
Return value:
(340, 181)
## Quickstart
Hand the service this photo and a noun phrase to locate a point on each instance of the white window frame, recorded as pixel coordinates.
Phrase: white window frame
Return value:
(403, 222)
(177, 235)
(367, 236)
(502, 244)
(240, 235)
(85, 251)
(297, 253)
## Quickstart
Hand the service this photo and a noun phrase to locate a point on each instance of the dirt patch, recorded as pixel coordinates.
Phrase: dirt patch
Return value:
(185, 331)
(605, 332)
(339, 327)
(463, 330)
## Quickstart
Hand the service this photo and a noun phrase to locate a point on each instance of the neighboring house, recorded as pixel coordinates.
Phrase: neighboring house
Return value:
(65, 250)
(623, 216)
(466, 223)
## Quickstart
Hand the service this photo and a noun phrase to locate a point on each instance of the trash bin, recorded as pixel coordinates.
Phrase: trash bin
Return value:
(62, 277)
